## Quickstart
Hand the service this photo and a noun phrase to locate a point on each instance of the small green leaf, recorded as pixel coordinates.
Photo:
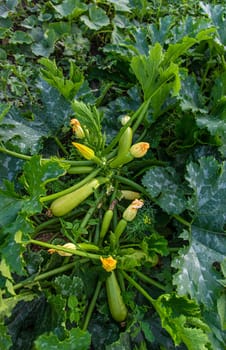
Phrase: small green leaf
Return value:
(97, 18)
(146, 69)
(158, 74)
(61, 28)
(155, 243)
(122, 5)
(180, 316)
(71, 8)
(20, 37)
(37, 174)
(122, 343)
(55, 77)
(3, 56)
(161, 31)
(67, 286)
(45, 46)
(77, 340)
(5, 339)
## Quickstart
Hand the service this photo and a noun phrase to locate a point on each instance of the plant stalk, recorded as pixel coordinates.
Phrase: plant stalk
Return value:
(92, 305)
(63, 249)
(181, 220)
(139, 288)
(149, 280)
(132, 184)
(27, 157)
(45, 275)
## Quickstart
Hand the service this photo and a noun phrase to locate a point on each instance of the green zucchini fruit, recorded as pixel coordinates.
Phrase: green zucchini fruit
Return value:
(106, 223)
(66, 203)
(115, 301)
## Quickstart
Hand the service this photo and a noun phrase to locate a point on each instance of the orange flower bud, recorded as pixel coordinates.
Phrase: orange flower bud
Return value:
(61, 252)
(85, 151)
(139, 149)
(109, 264)
(131, 211)
(77, 129)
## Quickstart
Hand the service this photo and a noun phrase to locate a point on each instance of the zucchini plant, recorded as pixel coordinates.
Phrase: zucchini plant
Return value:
(106, 225)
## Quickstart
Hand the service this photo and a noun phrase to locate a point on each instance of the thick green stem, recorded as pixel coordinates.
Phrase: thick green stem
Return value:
(92, 305)
(26, 157)
(181, 220)
(139, 288)
(90, 212)
(149, 280)
(63, 249)
(132, 184)
(140, 114)
(60, 145)
(120, 280)
(14, 154)
(45, 275)
(72, 188)
(45, 224)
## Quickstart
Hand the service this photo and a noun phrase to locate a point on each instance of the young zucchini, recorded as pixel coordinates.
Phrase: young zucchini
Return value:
(115, 301)
(124, 144)
(66, 203)
(121, 159)
(106, 223)
(125, 141)
(120, 228)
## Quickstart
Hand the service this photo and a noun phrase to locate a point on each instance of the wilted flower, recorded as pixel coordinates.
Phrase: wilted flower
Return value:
(77, 129)
(131, 211)
(139, 149)
(61, 252)
(109, 263)
(85, 151)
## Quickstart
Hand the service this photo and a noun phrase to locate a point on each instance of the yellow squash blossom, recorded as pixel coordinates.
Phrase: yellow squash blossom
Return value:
(85, 151)
(109, 264)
